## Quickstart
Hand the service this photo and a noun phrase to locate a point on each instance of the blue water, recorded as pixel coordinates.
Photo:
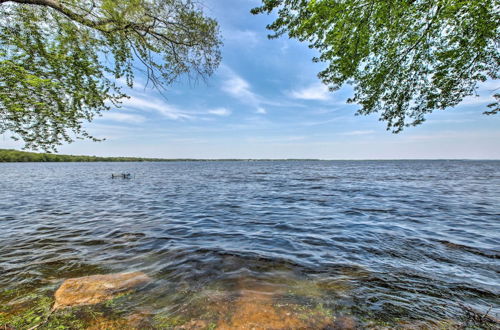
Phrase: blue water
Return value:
(411, 239)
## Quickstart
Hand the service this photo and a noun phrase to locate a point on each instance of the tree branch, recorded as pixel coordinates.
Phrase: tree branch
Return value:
(56, 5)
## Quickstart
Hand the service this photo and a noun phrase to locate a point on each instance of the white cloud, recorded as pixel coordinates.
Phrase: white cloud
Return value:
(247, 37)
(366, 132)
(486, 90)
(124, 117)
(276, 139)
(285, 46)
(317, 91)
(112, 131)
(239, 88)
(159, 106)
(220, 112)
(477, 100)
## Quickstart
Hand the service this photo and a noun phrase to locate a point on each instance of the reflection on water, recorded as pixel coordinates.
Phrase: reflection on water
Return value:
(254, 244)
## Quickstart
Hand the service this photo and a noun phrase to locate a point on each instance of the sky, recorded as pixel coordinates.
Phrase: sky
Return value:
(265, 101)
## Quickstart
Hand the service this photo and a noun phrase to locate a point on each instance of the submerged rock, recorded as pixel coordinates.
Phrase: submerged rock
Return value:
(344, 323)
(193, 325)
(140, 320)
(255, 310)
(89, 290)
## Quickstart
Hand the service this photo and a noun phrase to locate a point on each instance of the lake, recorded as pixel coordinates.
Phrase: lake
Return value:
(325, 243)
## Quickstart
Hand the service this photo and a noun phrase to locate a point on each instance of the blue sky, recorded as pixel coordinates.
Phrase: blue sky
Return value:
(265, 101)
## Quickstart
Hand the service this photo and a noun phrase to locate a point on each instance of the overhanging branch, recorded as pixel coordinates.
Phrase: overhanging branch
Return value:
(56, 5)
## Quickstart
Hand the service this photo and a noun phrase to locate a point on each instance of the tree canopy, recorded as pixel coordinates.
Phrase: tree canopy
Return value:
(60, 59)
(405, 58)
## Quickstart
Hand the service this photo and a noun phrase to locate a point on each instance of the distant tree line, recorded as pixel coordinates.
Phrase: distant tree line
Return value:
(10, 155)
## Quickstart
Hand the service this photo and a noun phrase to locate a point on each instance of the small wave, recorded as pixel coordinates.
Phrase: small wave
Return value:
(482, 252)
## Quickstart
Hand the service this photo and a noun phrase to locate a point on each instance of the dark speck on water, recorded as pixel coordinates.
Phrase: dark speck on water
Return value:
(363, 243)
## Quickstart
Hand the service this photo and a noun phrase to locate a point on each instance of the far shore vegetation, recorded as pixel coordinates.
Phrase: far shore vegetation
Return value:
(13, 156)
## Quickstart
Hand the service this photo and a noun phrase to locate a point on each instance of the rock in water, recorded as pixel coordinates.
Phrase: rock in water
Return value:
(89, 290)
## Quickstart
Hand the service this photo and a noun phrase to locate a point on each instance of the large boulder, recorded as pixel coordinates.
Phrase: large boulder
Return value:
(89, 290)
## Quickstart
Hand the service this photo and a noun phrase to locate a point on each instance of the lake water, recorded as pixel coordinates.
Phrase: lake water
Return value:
(374, 243)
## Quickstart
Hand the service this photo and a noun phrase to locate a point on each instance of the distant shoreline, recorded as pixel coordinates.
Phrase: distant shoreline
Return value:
(16, 156)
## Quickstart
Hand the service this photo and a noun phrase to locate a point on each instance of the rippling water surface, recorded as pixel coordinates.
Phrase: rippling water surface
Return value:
(378, 241)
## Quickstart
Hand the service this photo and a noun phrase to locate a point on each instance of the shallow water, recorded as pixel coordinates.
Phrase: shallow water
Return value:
(377, 241)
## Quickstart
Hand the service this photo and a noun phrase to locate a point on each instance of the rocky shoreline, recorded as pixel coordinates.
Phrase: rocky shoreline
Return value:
(88, 302)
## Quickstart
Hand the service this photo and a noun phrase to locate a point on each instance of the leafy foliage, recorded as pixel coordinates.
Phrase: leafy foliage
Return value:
(405, 58)
(59, 60)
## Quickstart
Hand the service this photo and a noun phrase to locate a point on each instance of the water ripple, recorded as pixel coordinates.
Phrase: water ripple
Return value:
(409, 238)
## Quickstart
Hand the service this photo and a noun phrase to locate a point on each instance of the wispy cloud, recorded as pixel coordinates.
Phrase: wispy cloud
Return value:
(353, 133)
(238, 87)
(124, 117)
(452, 135)
(489, 86)
(113, 131)
(341, 119)
(316, 91)
(190, 140)
(220, 112)
(477, 100)
(276, 139)
(248, 37)
(284, 46)
(158, 105)
(449, 121)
